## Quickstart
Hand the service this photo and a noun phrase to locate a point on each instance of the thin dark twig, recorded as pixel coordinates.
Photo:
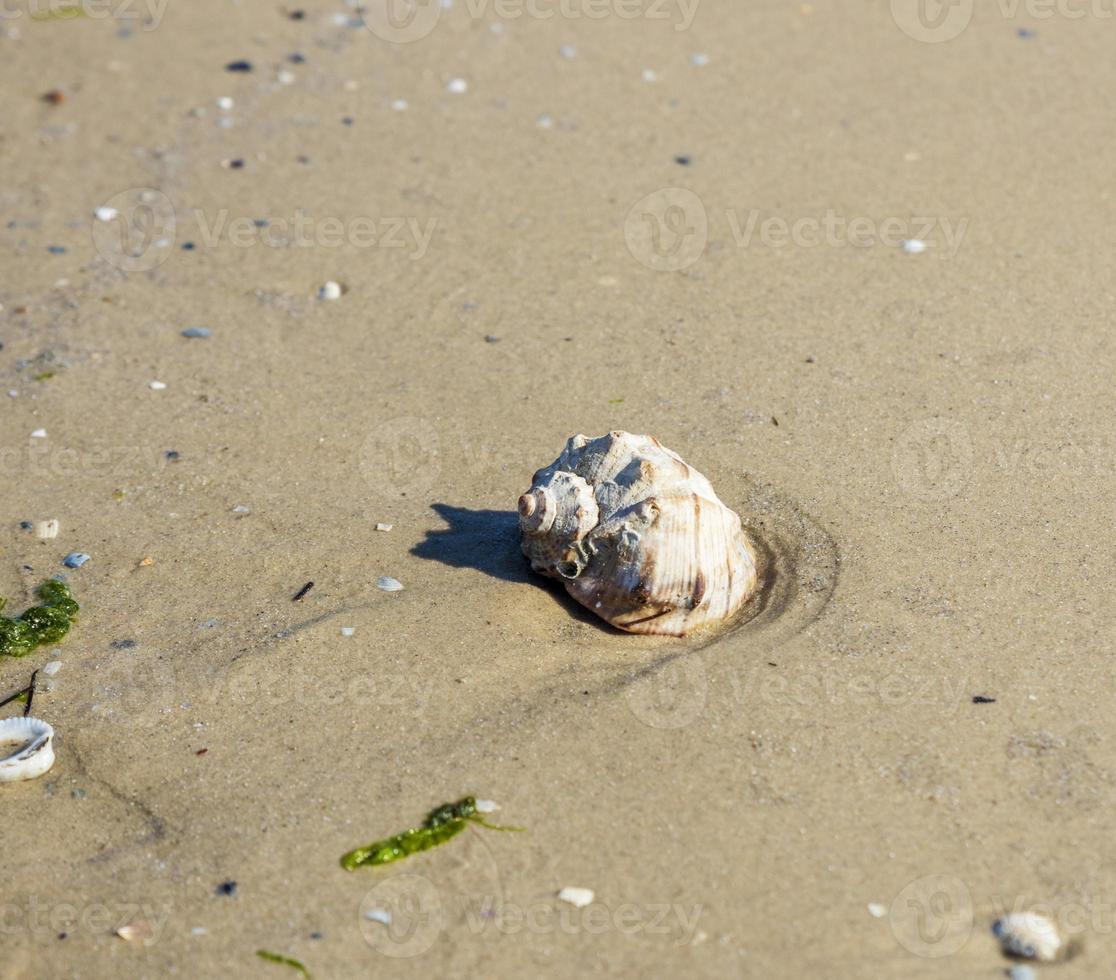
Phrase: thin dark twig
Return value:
(30, 693)
(301, 592)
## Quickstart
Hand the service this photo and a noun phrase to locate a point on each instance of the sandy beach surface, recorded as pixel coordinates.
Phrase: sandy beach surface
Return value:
(852, 261)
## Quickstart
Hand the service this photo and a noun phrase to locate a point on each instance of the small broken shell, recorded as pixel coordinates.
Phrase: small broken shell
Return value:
(1030, 936)
(637, 536)
(25, 748)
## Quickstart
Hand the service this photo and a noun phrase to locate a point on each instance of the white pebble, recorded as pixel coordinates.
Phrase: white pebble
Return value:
(39, 434)
(156, 385)
(225, 104)
(330, 290)
(568, 51)
(378, 915)
(545, 122)
(240, 509)
(285, 77)
(876, 910)
(487, 806)
(52, 668)
(389, 584)
(699, 60)
(650, 75)
(577, 897)
(347, 631)
(105, 214)
(914, 246)
(399, 105)
(458, 86)
(384, 527)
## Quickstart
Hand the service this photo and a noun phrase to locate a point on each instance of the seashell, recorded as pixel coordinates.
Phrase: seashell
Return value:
(1030, 936)
(47, 529)
(25, 748)
(637, 536)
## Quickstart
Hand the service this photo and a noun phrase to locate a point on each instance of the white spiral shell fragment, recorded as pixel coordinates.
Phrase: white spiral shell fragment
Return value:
(637, 536)
(26, 748)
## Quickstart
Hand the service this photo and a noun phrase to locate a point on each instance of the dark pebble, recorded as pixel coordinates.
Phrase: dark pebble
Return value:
(187, 246)
(297, 15)
(238, 66)
(490, 339)
(172, 454)
(227, 888)
(197, 332)
(56, 249)
(1024, 33)
(981, 699)
(122, 644)
(683, 161)
(296, 58)
(347, 120)
(236, 164)
(25, 525)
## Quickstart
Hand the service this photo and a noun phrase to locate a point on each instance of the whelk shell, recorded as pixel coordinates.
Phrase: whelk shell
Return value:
(637, 536)
(25, 748)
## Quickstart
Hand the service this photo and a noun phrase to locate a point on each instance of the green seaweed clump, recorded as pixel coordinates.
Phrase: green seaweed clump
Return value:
(440, 825)
(46, 623)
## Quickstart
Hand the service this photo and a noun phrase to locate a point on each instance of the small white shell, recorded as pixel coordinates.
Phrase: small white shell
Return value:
(33, 752)
(1029, 936)
(637, 536)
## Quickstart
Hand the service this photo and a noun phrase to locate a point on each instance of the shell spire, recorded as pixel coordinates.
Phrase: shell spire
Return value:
(637, 535)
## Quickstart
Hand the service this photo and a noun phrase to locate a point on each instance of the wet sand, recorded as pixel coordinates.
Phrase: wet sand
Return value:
(712, 253)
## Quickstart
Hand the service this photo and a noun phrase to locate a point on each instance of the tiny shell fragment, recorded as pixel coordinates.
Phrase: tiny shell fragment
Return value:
(389, 584)
(25, 748)
(577, 897)
(47, 529)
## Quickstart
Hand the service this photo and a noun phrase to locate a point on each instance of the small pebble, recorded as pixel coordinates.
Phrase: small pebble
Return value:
(1022, 972)
(39, 434)
(491, 338)
(458, 86)
(197, 332)
(123, 644)
(487, 806)
(914, 246)
(650, 75)
(226, 888)
(389, 584)
(378, 915)
(876, 910)
(238, 66)
(384, 527)
(577, 897)
(699, 60)
(347, 630)
(55, 97)
(285, 77)
(568, 51)
(75, 559)
(156, 385)
(105, 214)
(399, 105)
(545, 122)
(331, 290)
(51, 668)
(225, 103)
(241, 509)
(25, 525)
